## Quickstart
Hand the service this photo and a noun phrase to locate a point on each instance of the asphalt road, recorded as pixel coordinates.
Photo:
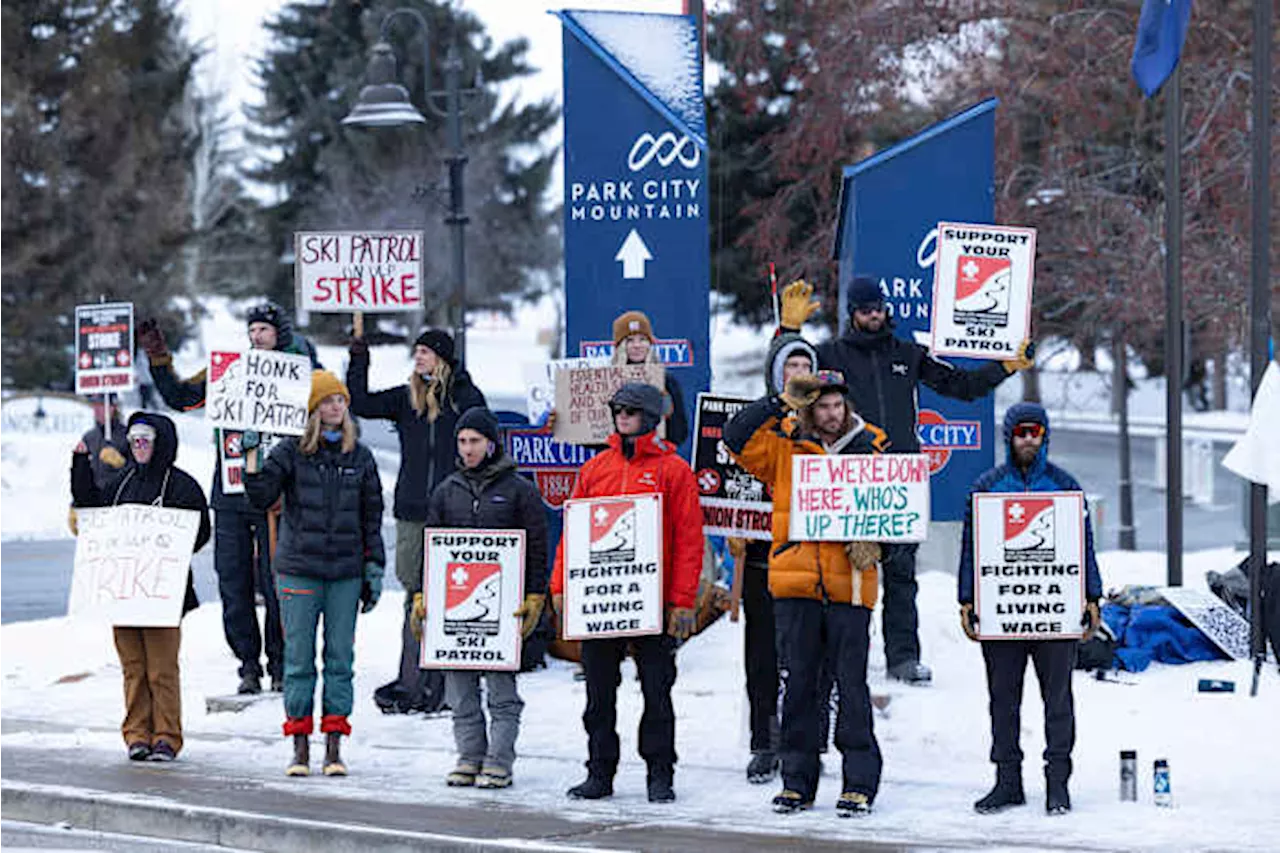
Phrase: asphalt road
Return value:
(37, 574)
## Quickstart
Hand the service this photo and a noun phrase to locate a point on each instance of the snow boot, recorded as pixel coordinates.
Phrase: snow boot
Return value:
(1007, 791)
(659, 785)
(139, 751)
(493, 777)
(162, 751)
(790, 802)
(594, 788)
(1057, 800)
(464, 774)
(250, 685)
(301, 764)
(762, 768)
(333, 765)
(912, 672)
(853, 804)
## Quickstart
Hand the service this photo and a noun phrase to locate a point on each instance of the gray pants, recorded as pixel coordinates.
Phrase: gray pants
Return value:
(496, 746)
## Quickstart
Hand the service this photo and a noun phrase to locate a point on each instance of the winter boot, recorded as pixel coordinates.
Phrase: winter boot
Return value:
(853, 804)
(912, 672)
(333, 765)
(250, 685)
(762, 768)
(1007, 791)
(1057, 801)
(463, 775)
(162, 751)
(301, 764)
(493, 776)
(659, 785)
(139, 751)
(594, 788)
(790, 802)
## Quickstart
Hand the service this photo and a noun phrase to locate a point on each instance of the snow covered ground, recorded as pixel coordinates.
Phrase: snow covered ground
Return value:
(1222, 748)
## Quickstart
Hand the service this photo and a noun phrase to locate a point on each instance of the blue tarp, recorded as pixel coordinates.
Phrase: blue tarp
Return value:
(1156, 632)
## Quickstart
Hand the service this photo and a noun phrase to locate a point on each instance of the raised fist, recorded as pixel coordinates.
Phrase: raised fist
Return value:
(151, 339)
(801, 391)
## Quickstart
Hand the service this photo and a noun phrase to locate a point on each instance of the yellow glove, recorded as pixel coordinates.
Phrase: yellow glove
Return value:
(417, 616)
(73, 521)
(111, 457)
(798, 304)
(969, 621)
(1091, 620)
(557, 607)
(681, 622)
(801, 391)
(863, 555)
(1024, 360)
(530, 611)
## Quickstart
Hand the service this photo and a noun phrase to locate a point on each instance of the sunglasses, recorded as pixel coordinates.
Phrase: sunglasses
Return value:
(624, 410)
(873, 308)
(1028, 430)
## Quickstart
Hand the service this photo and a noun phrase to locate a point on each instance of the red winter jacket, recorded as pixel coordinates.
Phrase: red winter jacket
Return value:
(654, 467)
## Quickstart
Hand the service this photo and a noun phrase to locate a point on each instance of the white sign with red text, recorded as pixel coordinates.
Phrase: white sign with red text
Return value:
(373, 271)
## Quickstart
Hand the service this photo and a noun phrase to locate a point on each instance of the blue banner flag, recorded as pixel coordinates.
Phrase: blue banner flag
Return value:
(636, 211)
(890, 207)
(1162, 29)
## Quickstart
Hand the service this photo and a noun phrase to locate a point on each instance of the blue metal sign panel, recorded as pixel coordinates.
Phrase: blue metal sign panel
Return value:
(890, 207)
(636, 206)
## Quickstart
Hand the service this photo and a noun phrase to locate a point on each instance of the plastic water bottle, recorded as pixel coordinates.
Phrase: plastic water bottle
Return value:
(1163, 789)
(1128, 775)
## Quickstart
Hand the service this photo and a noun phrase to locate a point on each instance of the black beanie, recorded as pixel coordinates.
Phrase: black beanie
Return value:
(864, 292)
(439, 342)
(271, 313)
(482, 421)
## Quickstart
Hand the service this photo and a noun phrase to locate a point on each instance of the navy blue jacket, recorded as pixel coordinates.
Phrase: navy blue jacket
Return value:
(1042, 476)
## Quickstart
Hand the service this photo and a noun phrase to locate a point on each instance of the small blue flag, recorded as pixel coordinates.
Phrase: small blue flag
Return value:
(1162, 28)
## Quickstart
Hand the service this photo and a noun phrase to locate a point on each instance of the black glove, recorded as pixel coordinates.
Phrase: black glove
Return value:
(359, 348)
(151, 339)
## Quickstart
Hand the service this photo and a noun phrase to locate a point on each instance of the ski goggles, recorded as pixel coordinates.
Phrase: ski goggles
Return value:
(1030, 429)
(141, 434)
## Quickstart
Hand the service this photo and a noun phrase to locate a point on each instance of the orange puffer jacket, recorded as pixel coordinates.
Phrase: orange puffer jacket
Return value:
(759, 441)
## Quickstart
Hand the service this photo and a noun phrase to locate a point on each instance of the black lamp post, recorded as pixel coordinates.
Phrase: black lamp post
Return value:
(383, 102)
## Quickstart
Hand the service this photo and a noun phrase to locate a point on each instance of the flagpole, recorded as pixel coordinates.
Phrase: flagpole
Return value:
(1173, 322)
(1259, 304)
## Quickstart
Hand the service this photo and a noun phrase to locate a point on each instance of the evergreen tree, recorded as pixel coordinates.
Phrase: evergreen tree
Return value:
(95, 167)
(332, 177)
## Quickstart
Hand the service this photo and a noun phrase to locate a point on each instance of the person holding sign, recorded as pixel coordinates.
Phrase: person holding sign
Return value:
(883, 372)
(1028, 469)
(823, 592)
(329, 560)
(239, 530)
(488, 494)
(638, 462)
(152, 725)
(425, 412)
(107, 455)
(633, 344)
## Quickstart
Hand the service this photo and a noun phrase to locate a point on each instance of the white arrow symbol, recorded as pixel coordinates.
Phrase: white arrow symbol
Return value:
(633, 254)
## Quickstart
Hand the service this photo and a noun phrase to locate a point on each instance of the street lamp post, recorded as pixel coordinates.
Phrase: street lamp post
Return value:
(383, 102)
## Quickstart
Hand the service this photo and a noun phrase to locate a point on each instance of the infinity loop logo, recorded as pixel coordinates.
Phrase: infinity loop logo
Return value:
(666, 149)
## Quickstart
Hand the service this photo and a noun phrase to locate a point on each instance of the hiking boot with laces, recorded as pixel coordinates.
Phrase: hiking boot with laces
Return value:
(463, 775)
(790, 802)
(853, 804)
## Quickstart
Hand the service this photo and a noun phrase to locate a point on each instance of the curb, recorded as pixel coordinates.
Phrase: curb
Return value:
(154, 818)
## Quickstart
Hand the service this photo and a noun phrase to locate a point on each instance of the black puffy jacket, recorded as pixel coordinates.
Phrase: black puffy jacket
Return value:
(158, 482)
(883, 371)
(494, 496)
(427, 448)
(331, 524)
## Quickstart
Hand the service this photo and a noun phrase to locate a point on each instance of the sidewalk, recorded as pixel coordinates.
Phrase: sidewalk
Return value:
(93, 789)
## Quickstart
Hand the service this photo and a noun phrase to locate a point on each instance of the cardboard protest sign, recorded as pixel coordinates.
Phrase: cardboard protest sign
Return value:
(734, 503)
(982, 290)
(1028, 563)
(613, 567)
(104, 348)
(582, 398)
(863, 497)
(540, 383)
(131, 564)
(473, 582)
(258, 389)
(376, 271)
